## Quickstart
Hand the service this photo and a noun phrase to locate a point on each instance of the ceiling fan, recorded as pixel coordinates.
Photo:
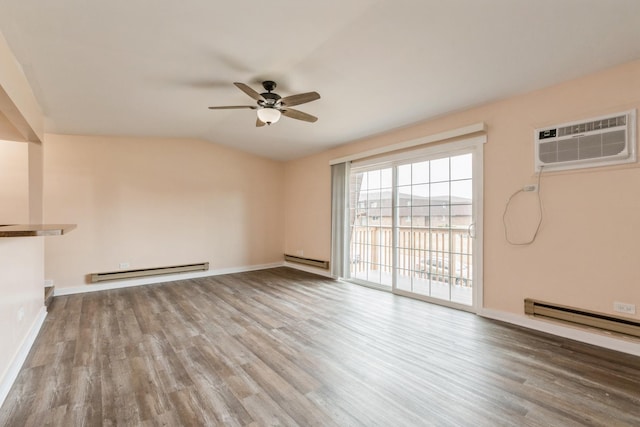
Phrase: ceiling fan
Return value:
(271, 106)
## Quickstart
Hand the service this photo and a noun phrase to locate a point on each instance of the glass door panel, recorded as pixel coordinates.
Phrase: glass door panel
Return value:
(435, 213)
(371, 239)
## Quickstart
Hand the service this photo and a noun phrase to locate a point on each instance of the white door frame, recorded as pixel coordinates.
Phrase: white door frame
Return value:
(474, 145)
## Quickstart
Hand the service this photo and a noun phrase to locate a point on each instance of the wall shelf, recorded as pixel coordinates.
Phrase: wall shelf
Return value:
(28, 230)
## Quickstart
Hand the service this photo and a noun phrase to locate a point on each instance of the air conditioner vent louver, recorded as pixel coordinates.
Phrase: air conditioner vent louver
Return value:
(595, 142)
(594, 125)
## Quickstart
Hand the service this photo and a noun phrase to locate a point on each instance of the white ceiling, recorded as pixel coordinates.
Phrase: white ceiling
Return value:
(152, 67)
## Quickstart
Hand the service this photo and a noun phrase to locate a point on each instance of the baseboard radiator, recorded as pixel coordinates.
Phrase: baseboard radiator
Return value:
(579, 316)
(145, 272)
(307, 261)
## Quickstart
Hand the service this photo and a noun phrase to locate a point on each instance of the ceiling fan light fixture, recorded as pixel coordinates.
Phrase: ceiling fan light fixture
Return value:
(269, 115)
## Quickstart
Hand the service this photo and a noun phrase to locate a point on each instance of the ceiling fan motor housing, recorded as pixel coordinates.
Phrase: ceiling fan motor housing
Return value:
(270, 98)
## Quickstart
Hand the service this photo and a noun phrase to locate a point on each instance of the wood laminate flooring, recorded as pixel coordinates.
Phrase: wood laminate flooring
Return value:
(283, 347)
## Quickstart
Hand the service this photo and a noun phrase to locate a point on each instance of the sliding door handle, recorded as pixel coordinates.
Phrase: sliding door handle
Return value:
(471, 230)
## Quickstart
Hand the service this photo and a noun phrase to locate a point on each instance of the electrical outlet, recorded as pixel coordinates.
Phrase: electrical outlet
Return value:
(530, 188)
(124, 265)
(20, 314)
(300, 252)
(622, 307)
(48, 283)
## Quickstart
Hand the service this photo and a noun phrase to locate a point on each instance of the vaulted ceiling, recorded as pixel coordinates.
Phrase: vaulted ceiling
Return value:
(152, 67)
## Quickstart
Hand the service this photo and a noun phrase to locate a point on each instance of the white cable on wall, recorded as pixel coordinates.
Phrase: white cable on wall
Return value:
(540, 216)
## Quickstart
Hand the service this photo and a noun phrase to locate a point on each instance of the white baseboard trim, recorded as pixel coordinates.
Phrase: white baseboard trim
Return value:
(630, 346)
(309, 269)
(21, 355)
(118, 284)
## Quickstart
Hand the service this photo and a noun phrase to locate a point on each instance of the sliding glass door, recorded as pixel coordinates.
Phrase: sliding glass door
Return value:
(370, 214)
(412, 226)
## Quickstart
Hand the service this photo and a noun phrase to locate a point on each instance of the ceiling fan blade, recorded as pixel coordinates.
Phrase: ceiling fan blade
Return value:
(301, 98)
(233, 107)
(298, 115)
(259, 123)
(246, 89)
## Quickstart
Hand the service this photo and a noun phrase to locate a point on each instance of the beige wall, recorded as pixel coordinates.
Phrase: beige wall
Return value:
(18, 107)
(21, 284)
(586, 253)
(21, 259)
(14, 182)
(157, 202)
(308, 207)
(36, 183)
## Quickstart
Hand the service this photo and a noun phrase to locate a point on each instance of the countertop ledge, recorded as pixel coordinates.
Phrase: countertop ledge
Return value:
(27, 230)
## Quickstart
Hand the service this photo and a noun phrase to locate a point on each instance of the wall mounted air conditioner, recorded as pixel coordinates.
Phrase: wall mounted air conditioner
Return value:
(600, 141)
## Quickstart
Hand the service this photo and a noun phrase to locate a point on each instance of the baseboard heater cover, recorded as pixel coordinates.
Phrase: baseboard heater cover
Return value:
(307, 261)
(582, 317)
(145, 272)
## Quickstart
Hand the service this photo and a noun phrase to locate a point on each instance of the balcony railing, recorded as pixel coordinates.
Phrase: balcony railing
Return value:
(440, 254)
